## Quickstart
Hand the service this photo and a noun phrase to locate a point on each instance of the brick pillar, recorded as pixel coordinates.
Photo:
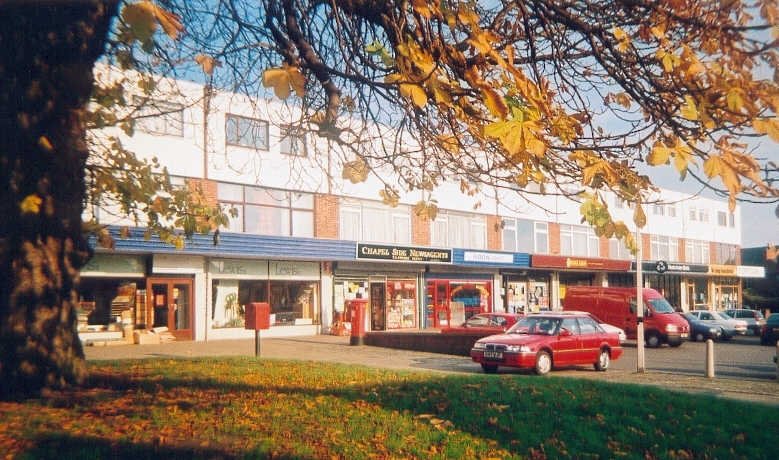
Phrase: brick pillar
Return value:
(682, 250)
(554, 238)
(603, 248)
(326, 216)
(646, 246)
(420, 229)
(494, 233)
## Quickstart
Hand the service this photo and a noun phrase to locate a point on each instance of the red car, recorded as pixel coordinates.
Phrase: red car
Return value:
(546, 340)
(487, 323)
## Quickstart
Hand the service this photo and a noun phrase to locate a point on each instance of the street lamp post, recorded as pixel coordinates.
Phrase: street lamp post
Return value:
(640, 359)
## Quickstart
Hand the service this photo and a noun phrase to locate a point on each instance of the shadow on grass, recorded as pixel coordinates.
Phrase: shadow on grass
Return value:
(68, 447)
(558, 417)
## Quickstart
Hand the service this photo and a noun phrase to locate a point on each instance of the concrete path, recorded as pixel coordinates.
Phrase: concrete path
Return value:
(337, 349)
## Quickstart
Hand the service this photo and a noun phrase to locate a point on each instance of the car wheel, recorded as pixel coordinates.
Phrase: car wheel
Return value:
(604, 359)
(543, 363)
(699, 337)
(489, 368)
(652, 340)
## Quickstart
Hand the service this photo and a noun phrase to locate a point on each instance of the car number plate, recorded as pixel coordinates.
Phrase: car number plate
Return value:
(684, 335)
(490, 354)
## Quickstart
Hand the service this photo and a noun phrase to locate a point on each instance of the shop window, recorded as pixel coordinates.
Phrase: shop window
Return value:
(291, 302)
(401, 304)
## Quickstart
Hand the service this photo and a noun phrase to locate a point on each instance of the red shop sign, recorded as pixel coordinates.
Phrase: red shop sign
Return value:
(579, 263)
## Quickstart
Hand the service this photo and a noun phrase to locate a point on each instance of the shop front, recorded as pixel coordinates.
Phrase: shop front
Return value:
(725, 287)
(389, 278)
(291, 288)
(112, 294)
(567, 271)
(685, 286)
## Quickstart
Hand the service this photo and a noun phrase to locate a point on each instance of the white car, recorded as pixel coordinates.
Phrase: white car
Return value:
(606, 327)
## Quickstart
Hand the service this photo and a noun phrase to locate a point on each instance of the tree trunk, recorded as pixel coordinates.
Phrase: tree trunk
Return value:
(48, 51)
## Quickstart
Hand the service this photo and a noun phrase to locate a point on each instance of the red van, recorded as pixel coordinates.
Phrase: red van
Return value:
(617, 306)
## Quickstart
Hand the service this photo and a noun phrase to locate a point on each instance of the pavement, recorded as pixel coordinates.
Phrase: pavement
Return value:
(337, 349)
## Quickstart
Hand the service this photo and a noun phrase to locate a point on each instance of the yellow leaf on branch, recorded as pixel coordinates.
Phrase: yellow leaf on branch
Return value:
(768, 126)
(689, 110)
(659, 155)
(170, 22)
(415, 93)
(283, 80)
(495, 103)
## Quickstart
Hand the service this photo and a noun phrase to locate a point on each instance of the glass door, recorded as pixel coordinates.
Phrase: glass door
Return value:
(170, 304)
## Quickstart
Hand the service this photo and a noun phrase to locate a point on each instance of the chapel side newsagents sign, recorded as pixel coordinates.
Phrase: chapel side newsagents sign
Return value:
(403, 253)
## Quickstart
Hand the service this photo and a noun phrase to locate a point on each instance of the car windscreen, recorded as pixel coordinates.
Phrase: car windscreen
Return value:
(540, 325)
(661, 306)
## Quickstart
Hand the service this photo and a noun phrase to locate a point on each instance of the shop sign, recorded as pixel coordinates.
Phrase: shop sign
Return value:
(661, 266)
(403, 253)
(579, 263)
(113, 265)
(750, 271)
(237, 267)
(293, 270)
(723, 270)
(488, 257)
(165, 263)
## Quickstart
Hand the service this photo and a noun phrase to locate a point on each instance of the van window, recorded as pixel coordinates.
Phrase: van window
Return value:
(661, 306)
(633, 307)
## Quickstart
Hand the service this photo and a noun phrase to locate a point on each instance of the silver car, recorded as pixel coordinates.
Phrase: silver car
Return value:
(730, 327)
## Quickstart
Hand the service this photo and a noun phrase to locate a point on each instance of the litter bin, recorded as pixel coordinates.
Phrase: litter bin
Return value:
(357, 313)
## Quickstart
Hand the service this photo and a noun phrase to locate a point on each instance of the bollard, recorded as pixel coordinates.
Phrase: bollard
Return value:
(710, 359)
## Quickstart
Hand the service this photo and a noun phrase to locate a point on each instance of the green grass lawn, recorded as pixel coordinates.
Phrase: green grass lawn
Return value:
(250, 408)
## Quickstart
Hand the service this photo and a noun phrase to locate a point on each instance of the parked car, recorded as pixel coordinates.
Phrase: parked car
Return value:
(770, 333)
(702, 330)
(739, 324)
(542, 341)
(729, 326)
(606, 326)
(488, 323)
(754, 318)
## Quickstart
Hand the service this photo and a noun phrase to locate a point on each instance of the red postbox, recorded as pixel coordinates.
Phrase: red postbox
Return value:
(357, 313)
(257, 316)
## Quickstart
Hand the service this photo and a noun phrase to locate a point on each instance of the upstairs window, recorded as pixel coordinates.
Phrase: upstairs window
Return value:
(264, 211)
(577, 240)
(459, 230)
(374, 222)
(521, 235)
(292, 141)
(246, 132)
(159, 117)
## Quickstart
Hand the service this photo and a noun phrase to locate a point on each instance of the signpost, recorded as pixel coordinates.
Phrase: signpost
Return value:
(640, 359)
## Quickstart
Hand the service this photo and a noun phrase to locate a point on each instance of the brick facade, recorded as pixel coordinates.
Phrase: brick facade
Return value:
(554, 238)
(420, 229)
(494, 233)
(326, 216)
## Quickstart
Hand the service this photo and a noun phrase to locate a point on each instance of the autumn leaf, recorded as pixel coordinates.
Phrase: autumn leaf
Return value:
(415, 93)
(495, 103)
(284, 79)
(711, 167)
(141, 15)
(207, 63)
(45, 143)
(659, 155)
(689, 110)
(389, 197)
(639, 218)
(31, 204)
(768, 126)
(735, 99)
(355, 171)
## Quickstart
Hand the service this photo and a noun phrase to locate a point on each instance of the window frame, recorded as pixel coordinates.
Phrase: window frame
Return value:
(263, 126)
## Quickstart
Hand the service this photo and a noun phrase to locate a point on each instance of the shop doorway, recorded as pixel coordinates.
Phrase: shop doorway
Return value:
(378, 303)
(170, 304)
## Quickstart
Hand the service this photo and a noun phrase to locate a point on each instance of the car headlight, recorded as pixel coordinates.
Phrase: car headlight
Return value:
(518, 348)
(480, 345)
(672, 328)
(714, 331)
